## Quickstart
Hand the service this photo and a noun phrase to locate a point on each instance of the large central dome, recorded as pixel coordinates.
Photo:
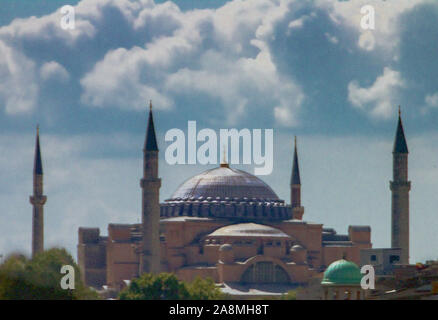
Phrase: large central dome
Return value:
(226, 193)
(224, 183)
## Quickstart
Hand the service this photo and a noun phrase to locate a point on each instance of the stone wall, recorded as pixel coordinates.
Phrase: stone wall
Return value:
(92, 257)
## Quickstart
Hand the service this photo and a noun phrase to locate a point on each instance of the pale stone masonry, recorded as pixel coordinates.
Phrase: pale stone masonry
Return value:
(400, 187)
(37, 200)
(92, 249)
(223, 223)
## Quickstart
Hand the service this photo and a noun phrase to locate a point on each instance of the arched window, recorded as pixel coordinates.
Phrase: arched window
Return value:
(265, 272)
(261, 249)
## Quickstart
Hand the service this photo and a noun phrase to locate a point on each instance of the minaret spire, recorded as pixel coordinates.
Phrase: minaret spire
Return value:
(295, 179)
(150, 184)
(37, 200)
(400, 145)
(400, 187)
(295, 186)
(150, 143)
(37, 165)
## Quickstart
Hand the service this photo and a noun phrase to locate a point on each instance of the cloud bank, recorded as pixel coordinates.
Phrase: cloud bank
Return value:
(242, 58)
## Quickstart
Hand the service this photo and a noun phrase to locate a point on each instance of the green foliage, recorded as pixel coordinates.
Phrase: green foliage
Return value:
(204, 289)
(39, 278)
(165, 286)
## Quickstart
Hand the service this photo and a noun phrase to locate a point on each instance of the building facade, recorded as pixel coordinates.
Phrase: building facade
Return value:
(341, 281)
(384, 260)
(223, 223)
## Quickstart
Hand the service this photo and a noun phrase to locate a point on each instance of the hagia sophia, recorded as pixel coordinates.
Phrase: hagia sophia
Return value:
(228, 225)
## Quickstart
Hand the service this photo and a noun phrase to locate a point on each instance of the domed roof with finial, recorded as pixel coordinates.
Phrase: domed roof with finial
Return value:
(225, 182)
(226, 193)
(342, 272)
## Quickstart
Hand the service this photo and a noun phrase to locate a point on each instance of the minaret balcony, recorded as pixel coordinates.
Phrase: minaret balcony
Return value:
(400, 185)
(37, 200)
(150, 183)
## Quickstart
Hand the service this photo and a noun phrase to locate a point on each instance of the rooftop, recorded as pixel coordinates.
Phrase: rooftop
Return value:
(342, 272)
(224, 182)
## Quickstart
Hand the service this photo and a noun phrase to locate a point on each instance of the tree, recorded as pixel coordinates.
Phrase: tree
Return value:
(40, 277)
(166, 286)
(204, 289)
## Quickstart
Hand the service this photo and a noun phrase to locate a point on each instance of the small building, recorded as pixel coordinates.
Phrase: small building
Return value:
(384, 260)
(342, 281)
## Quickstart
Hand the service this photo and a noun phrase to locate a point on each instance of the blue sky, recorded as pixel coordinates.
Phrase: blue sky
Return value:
(303, 68)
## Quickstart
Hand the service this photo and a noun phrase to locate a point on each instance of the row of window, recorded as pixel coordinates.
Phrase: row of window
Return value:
(392, 258)
(221, 211)
(242, 242)
(265, 272)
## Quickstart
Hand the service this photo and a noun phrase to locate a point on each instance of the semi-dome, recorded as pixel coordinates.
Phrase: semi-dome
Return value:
(248, 230)
(224, 182)
(297, 248)
(342, 272)
(225, 247)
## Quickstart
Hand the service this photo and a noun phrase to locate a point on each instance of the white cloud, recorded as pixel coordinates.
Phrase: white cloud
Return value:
(331, 38)
(53, 70)
(180, 46)
(367, 41)
(378, 99)
(47, 28)
(385, 34)
(180, 64)
(115, 82)
(18, 89)
(432, 100)
(297, 23)
(163, 47)
(240, 84)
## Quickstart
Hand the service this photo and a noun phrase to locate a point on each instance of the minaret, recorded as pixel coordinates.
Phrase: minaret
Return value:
(37, 200)
(295, 188)
(150, 184)
(400, 187)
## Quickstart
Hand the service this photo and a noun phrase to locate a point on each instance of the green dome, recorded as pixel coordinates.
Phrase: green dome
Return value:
(342, 272)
